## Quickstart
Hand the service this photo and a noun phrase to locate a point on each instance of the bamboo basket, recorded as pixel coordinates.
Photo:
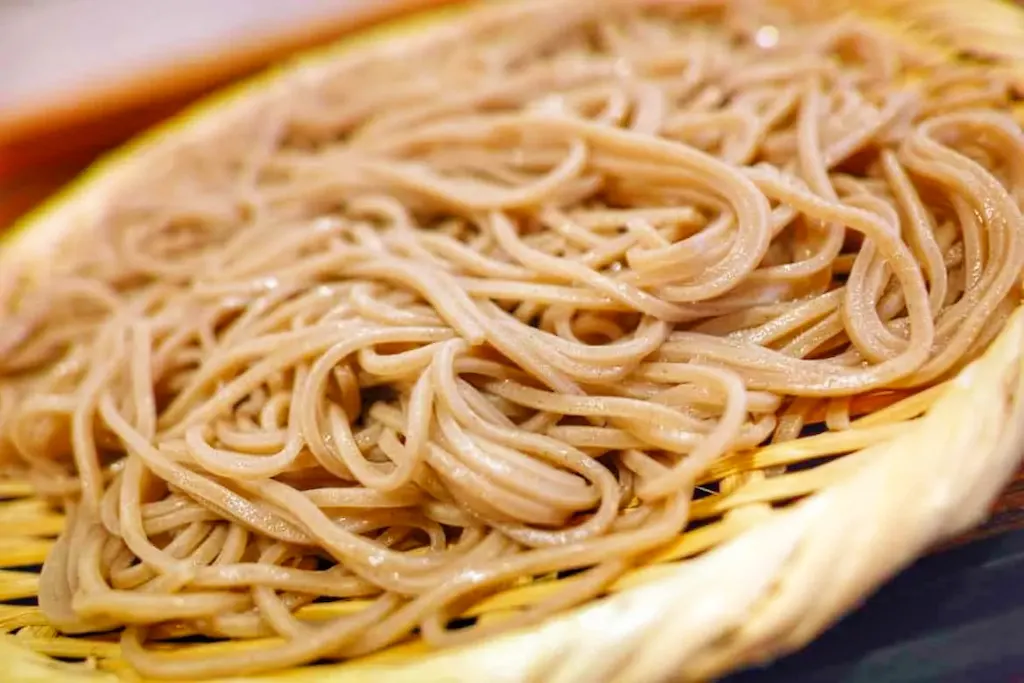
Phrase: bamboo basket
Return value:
(780, 553)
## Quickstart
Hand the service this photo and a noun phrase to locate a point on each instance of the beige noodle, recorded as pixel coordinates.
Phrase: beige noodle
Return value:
(486, 311)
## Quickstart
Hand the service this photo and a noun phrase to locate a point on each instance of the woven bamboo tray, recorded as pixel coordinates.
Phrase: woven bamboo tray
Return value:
(783, 549)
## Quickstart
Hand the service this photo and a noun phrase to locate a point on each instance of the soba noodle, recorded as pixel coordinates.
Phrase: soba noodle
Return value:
(442, 317)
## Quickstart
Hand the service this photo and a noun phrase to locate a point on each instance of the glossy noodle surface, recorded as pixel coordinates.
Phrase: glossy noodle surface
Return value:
(482, 309)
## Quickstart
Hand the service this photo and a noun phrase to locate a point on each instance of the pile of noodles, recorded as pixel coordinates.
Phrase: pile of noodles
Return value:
(481, 308)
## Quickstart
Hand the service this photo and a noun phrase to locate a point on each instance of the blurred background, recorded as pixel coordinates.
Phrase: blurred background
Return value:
(78, 77)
